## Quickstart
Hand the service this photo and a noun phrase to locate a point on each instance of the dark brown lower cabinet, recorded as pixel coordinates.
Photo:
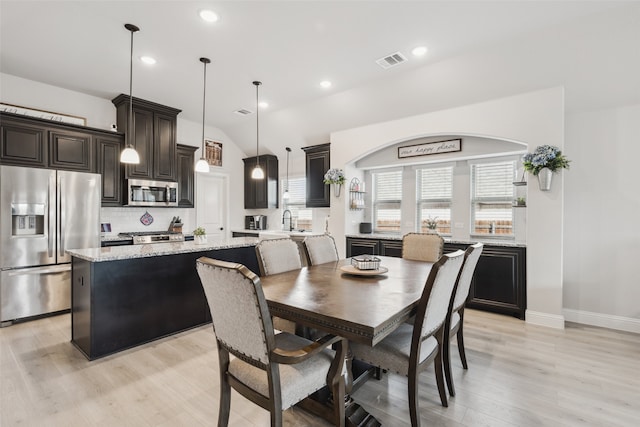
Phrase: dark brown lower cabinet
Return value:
(500, 281)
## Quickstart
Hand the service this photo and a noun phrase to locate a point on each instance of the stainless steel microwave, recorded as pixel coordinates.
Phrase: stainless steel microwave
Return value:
(142, 192)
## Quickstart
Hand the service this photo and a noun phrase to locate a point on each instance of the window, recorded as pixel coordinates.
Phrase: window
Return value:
(387, 194)
(491, 196)
(296, 203)
(434, 188)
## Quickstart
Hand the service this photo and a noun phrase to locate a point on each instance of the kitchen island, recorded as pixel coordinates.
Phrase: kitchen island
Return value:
(124, 296)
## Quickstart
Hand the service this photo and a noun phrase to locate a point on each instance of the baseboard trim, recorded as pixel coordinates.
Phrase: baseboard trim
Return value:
(555, 321)
(610, 321)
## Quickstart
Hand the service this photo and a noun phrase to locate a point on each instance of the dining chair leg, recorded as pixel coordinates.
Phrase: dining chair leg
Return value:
(437, 366)
(459, 336)
(414, 411)
(446, 355)
(336, 382)
(225, 389)
(276, 418)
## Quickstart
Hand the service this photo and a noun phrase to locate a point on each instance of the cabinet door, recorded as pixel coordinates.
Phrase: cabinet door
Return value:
(22, 145)
(317, 164)
(261, 193)
(186, 180)
(357, 247)
(110, 168)
(70, 150)
(164, 147)
(391, 248)
(249, 184)
(142, 141)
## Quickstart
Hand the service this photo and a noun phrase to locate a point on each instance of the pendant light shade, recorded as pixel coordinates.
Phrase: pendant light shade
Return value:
(203, 165)
(286, 188)
(257, 172)
(129, 155)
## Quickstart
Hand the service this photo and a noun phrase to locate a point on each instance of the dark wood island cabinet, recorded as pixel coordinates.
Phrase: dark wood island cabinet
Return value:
(119, 302)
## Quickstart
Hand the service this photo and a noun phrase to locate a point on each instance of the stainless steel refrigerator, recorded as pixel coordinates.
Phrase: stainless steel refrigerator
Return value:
(43, 213)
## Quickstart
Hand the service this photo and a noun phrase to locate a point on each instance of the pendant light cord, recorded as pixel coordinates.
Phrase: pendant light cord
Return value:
(204, 97)
(257, 124)
(131, 91)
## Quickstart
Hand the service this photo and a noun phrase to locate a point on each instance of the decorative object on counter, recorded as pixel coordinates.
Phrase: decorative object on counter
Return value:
(356, 194)
(200, 236)
(428, 148)
(257, 172)
(202, 165)
(335, 177)
(146, 218)
(129, 155)
(366, 262)
(176, 225)
(366, 228)
(432, 225)
(286, 188)
(545, 160)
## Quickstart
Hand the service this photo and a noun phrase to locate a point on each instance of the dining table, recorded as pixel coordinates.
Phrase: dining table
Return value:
(363, 306)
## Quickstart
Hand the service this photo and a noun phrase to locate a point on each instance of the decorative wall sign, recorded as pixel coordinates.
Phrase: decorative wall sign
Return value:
(47, 115)
(213, 152)
(428, 148)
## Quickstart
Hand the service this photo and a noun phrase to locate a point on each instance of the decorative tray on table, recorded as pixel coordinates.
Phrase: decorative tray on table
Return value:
(364, 266)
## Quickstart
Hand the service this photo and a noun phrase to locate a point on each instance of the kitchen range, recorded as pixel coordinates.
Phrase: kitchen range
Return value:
(44, 212)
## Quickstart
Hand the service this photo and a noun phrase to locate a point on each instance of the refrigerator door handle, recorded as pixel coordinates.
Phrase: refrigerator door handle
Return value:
(39, 270)
(61, 216)
(51, 222)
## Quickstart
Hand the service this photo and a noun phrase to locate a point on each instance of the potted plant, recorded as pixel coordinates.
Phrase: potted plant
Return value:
(520, 201)
(432, 225)
(200, 236)
(335, 177)
(545, 160)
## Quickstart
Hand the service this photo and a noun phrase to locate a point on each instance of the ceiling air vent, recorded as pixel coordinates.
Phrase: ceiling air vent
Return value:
(243, 112)
(391, 60)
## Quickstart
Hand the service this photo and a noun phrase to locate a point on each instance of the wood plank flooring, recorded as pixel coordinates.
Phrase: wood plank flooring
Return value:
(519, 375)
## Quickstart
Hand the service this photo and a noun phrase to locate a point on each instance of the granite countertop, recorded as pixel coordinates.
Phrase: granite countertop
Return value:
(489, 241)
(115, 253)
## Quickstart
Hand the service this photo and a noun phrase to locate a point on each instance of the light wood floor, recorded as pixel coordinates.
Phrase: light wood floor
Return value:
(519, 375)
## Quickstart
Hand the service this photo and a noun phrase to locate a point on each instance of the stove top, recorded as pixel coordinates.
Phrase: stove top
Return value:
(145, 237)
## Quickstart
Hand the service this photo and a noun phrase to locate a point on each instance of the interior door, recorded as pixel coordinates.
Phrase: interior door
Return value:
(212, 203)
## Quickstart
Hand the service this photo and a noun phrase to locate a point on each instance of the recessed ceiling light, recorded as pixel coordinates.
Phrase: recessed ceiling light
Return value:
(148, 60)
(208, 15)
(326, 84)
(419, 51)
(263, 104)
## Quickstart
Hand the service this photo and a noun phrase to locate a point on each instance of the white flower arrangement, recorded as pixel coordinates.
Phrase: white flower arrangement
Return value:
(334, 176)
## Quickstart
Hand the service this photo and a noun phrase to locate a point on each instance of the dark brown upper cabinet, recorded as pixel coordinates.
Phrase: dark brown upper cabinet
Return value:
(70, 150)
(23, 142)
(261, 193)
(186, 179)
(109, 167)
(318, 161)
(154, 137)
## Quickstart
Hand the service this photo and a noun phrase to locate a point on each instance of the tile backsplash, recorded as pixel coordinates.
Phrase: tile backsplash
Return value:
(128, 219)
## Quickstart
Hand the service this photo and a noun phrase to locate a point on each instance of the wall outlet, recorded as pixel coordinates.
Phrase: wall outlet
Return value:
(458, 225)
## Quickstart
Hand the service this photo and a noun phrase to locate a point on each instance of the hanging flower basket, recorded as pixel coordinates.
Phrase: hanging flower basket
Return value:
(335, 177)
(545, 160)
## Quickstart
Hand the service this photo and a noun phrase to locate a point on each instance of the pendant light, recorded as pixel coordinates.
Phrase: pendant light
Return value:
(257, 172)
(202, 165)
(286, 188)
(129, 155)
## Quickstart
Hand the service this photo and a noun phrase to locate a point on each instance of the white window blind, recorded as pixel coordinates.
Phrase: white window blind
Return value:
(387, 196)
(435, 188)
(491, 197)
(296, 203)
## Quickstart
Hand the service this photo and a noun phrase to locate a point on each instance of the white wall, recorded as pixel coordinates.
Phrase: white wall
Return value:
(101, 113)
(534, 118)
(602, 227)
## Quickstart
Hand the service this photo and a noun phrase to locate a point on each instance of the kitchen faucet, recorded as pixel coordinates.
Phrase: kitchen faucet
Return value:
(284, 217)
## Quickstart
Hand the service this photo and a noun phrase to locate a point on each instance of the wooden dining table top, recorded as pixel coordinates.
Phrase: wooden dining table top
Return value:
(363, 309)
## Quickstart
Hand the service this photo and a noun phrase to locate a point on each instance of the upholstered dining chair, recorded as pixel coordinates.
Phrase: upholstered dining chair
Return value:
(422, 247)
(273, 371)
(277, 256)
(455, 318)
(320, 249)
(411, 348)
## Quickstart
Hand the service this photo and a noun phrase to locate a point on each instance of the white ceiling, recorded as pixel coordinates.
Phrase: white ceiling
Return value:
(292, 45)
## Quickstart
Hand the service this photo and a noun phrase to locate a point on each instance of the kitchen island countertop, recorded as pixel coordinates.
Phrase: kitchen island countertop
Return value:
(158, 249)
